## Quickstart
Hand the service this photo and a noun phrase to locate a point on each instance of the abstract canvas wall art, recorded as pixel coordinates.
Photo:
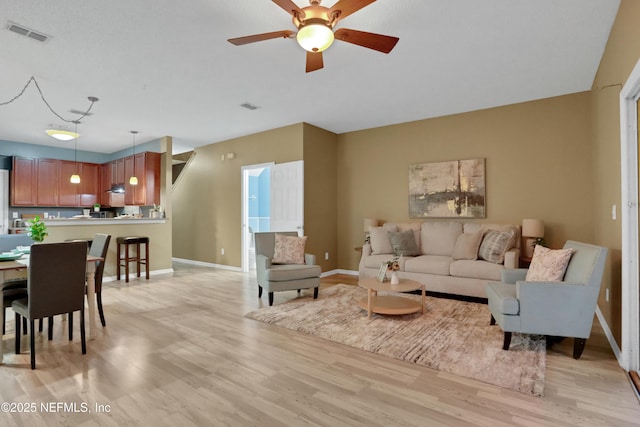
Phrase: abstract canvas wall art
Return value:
(447, 189)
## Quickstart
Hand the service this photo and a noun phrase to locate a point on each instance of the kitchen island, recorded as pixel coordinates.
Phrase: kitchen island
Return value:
(157, 229)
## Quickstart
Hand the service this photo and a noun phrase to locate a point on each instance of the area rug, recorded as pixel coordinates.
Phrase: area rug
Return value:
(452, 336)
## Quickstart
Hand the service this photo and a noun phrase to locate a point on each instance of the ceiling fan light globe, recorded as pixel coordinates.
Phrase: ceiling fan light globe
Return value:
(315, 37)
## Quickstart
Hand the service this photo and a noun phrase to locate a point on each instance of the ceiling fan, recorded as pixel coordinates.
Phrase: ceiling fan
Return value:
(315, 29)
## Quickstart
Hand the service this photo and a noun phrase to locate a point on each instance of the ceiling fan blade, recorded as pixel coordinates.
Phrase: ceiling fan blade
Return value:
(238, 41)
(373, 41)
(290, 7)
(314, 61)
(347, 7)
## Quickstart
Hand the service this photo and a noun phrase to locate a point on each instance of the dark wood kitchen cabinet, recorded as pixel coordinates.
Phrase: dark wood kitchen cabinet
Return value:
(23, 181)
(145, 167)
(68, 193)
(117, 174)
(46, 182)
(89, 184)
(48, 175)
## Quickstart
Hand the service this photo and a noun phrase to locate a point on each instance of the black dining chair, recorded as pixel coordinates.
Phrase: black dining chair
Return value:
(12, 290)
(55, 285)
(99, 247)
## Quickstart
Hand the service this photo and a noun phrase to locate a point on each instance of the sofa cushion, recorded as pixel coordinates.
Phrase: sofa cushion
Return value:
(494, 245)
(404, 243)
(467, 245)
(439, 238)
(432, 264)
(286, 272)
(548, 264)
(375, 261)
(288, 249)
(476, 269)
(380, 243)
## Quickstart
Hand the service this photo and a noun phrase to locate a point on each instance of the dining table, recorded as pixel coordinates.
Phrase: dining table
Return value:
(23, 264)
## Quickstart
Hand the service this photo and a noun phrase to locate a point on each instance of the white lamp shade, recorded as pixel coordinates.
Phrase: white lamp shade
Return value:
(75, 179)
(369, 222)
(133, 180)
(532, 228)
(315, 37)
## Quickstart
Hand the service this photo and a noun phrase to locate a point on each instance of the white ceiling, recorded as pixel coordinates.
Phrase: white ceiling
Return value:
(164, 67)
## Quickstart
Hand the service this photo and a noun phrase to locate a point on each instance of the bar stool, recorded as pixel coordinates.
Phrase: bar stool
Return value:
(128, 257)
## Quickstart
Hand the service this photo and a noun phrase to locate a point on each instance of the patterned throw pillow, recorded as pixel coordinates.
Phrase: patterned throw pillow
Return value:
(548, 265)
(494, 245)
(289, 249)
(404, 243)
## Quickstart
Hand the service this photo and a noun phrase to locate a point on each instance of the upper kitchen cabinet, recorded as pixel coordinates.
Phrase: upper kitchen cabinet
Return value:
(89, 184)
(48, 175)
(68, 193)
(46, 182)
(145, 167)
(116, 174)
(23, 181)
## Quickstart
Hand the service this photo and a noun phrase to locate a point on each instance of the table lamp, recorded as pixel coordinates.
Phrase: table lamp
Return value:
(532, 229)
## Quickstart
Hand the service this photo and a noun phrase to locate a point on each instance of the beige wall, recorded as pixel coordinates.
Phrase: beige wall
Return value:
(320, 203)
(620, 56)
(538, 165)
(556, 159)
(207, 204)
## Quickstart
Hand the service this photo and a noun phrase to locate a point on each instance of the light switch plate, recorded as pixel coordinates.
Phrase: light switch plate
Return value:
(613, 212)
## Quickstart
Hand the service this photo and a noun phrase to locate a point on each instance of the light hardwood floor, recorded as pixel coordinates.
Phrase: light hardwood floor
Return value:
(177, 351)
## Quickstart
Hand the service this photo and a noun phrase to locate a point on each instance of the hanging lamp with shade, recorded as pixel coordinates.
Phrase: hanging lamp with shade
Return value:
(75, 178)
(134, 179)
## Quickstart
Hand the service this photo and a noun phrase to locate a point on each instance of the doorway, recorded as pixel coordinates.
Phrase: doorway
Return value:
(629, 96)
(272, 200)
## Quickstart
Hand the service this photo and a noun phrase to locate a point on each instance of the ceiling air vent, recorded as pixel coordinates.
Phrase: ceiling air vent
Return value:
(249, 106)
(24, 31)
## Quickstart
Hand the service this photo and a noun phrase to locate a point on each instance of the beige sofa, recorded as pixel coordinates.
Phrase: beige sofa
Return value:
(448, 257)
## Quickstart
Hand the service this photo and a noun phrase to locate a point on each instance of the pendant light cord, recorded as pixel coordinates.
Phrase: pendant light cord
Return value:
(92, 99)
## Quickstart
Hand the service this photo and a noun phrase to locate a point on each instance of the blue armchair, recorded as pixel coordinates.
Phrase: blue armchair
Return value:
(563, 309)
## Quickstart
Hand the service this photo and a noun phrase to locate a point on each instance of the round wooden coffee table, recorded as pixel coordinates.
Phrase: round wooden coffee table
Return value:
(390, 304)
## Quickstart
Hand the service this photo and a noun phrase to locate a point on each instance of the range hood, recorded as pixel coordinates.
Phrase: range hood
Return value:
(116, 188)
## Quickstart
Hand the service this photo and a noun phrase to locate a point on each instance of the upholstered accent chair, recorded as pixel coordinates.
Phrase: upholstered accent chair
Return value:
(274, 277)
(555, 308)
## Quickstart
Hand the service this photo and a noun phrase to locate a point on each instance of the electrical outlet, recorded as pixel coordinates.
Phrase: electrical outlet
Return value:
(606, 294)
(614, 212)
(326, 256)
(15, 215)
(222, 251)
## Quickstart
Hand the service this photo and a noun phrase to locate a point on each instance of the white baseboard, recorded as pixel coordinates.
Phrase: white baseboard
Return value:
(207, 264)
(609, 335)
(339, 271)
(135, 275)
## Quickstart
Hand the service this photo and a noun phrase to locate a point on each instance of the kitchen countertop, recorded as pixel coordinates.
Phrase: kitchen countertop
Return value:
(61, 222)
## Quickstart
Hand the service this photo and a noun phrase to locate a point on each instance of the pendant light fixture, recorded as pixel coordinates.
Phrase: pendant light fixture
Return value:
(75, 178)
(134, 180)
